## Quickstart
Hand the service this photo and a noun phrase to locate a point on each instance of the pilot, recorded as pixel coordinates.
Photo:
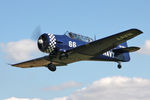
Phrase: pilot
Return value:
(70, 34)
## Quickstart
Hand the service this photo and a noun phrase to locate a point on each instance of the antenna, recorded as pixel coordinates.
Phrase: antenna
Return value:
(94, 37)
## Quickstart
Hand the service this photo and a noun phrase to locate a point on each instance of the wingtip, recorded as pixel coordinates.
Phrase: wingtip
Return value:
(138, 30)
(12, 65)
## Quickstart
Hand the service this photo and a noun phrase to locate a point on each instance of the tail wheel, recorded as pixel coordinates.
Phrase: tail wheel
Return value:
(119, 65)
(51, 67)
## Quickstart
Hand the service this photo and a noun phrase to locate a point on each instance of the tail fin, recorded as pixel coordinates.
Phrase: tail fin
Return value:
(121, 53)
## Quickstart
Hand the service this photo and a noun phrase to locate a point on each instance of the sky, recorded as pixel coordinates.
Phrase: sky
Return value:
(81, 80)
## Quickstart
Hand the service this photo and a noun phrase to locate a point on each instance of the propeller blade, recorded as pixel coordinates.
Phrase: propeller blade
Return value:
(36, 33)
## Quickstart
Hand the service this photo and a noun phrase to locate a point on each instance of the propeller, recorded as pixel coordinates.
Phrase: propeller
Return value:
(36, 33)
(37, 36)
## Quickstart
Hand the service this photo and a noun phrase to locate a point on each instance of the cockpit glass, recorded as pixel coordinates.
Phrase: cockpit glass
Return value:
(78, 37)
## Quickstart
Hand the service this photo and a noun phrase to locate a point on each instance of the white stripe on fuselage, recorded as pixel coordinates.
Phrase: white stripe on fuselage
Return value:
(109, 54)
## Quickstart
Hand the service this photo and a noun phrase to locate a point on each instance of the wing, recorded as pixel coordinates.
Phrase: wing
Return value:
(38, 62)
(105, 44)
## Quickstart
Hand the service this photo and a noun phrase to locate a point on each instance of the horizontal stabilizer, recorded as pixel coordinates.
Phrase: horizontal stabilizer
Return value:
(127, 49)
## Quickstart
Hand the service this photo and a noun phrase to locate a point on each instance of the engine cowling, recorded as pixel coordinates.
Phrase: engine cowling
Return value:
(47, 43)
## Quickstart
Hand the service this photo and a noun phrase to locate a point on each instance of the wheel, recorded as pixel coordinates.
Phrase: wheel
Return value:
(51, 67)
(119, 66)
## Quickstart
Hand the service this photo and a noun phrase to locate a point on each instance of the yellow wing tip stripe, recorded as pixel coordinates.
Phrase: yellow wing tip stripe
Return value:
(124, 36)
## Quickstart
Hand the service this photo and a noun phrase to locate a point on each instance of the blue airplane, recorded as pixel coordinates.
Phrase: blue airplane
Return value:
(72, 47)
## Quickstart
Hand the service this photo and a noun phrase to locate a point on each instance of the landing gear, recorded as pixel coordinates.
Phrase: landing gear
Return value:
(119, 65)
(51, 67)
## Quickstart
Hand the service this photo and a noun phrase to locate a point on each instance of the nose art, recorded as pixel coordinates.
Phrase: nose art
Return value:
(52, 42)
